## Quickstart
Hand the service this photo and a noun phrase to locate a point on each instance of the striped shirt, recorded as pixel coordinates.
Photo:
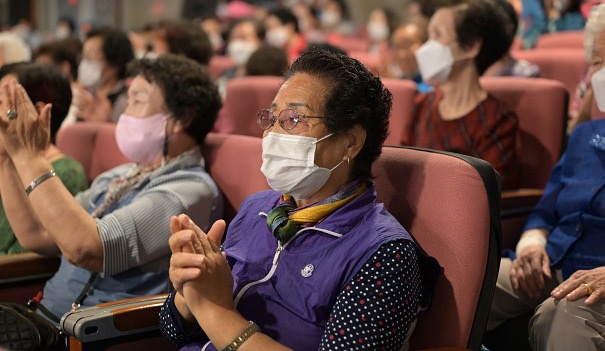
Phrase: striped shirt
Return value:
(135, 231)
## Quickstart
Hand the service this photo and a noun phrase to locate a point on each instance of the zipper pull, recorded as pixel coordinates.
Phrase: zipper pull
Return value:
(277, 253)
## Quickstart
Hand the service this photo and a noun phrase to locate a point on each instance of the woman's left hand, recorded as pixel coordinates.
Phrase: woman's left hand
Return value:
(214, 286)
(28, 134)
(589, 283)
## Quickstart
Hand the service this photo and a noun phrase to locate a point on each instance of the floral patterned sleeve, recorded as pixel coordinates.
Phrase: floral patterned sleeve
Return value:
(379, 305)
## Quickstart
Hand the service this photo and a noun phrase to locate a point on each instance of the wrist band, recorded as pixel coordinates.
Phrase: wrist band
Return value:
(242, 337)
(39, 180)
(531, 239)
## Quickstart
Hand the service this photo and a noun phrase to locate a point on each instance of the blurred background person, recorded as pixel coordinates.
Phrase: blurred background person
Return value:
(245, 36)
(508, 66)
(267, 61)
(65, 28)
(101, 93)
(465, 38)
(44, 84)
(175, 37)
(282, 31)
(213, 27)
(13, 49)
(64, 53)
(406, 39)
(381, 24)
(308, 22)
(335, 21)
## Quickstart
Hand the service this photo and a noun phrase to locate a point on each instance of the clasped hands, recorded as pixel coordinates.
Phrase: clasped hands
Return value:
(198, 268)
(28, 134)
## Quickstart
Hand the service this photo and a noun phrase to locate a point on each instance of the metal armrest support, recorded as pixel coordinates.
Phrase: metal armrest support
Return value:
(114, 319)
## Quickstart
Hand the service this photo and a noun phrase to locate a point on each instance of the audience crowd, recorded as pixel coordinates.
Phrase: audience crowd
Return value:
(164, 85)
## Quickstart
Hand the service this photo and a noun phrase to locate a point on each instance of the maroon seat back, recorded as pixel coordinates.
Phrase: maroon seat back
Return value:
(234, 163)
(565, 65)
(245, 97)
(218, 65)
(541, 106)
(402, 113)
(573, 39)
(93, 145)
(449, 203)
(373, 62)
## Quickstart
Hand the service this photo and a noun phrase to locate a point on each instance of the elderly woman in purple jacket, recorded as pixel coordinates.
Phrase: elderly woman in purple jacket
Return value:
(316, 263)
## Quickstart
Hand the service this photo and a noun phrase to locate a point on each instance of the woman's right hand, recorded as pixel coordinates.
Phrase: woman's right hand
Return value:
(529, 270)
(92, 108)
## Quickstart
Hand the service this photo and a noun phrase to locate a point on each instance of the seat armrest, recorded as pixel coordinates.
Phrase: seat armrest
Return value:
(519, 201)
(26, 266)
(114, 319)
(515, 207)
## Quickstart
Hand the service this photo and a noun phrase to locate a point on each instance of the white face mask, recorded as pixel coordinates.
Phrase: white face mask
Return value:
(241, 50)
(378, 31)
(435, 61)
(330, 18)
(62, 32)
(289, 165)
(277, 37)
(598, 87)
(89, 73)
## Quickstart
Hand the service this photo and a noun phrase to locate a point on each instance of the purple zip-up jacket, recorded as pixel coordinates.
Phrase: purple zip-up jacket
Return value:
(289, 291)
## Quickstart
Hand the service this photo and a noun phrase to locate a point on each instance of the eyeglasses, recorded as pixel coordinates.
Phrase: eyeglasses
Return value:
(288, 118)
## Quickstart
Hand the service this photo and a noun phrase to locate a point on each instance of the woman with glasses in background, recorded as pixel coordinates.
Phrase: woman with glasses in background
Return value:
(305, 262)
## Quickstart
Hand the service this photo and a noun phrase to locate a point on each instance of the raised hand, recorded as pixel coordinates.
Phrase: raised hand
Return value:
(27, 134)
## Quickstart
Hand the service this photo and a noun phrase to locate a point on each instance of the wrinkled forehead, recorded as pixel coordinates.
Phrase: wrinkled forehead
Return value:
(302, 91)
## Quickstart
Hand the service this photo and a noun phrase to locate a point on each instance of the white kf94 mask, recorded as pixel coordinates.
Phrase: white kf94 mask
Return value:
(289, 165)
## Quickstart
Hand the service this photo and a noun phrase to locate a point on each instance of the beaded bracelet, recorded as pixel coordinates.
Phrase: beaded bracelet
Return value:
(242, 337)
(39, 180)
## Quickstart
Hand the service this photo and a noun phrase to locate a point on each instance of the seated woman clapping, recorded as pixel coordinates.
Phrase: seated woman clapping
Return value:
(307, 261)
(43, 84)
(113, 234)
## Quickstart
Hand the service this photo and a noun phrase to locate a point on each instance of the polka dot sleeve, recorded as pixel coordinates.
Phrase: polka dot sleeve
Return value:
(378, 306)
(173, 328)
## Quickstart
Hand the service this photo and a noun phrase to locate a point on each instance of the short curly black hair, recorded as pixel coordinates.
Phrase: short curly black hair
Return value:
(480, 21)
(353, 96)
(189, 93)
(116, 47)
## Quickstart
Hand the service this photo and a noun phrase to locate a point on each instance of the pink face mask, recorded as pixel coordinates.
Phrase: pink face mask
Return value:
(142, 139)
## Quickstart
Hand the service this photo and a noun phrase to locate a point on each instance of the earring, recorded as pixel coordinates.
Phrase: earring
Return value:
(348, 161)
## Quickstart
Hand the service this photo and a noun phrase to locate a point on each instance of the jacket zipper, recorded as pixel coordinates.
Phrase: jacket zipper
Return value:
(278, 252)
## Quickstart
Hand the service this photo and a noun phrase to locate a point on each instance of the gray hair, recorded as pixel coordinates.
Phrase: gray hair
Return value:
(594, 26)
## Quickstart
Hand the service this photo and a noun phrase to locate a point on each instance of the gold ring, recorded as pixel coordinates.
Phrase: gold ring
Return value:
(588, 288)
(11, 114)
